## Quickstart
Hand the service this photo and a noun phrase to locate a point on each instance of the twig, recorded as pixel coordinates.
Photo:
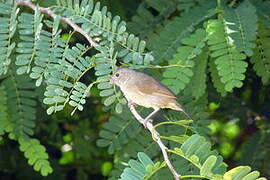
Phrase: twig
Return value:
(156, 138)
(49, 12)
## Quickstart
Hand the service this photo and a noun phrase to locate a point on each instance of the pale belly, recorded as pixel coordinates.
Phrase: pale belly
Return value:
(148, 101)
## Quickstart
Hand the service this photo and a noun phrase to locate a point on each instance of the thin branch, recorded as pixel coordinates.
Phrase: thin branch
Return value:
(68, 21)
(156, 138)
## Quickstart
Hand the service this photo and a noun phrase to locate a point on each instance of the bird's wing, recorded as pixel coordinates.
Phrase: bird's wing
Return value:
(151, 86)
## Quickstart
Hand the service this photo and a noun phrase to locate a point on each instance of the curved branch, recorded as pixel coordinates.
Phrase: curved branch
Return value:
(68, 21)
(156, 138)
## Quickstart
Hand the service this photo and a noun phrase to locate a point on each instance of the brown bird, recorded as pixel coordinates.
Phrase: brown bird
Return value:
(143, 90)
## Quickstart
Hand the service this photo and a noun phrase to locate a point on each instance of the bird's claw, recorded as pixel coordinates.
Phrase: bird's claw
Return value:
(130, 103)
(145, 121)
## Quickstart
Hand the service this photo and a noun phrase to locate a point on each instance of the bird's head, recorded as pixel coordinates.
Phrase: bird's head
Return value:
(121, 76)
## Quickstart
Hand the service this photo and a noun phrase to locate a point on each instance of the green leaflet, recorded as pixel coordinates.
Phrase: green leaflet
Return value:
(197, 151)
(220, 87)
(49, 51)
(142, 169)
(242, 22)
(242, 173)
(36, 155)
(229, 61)
(98, 22)
(198, 81)
(261, 57)
(21, 105)
(144, 22)
(8, 24)
(178, 77)
(166, 42)
(63, 80)
(5, 122)
(117, 132)
(29, 31)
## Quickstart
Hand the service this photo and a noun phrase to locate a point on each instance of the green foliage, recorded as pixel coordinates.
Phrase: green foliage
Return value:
(103, 69)
(21, 104)
(177, 78)
(198, 82)
(64, 84)
(220, 87)
(5, 123)
(115, 43)
(166, 42)
(242, 173)
(8, 23)
(242, 22)
(197, 151)
(255, 151)
(261, 57)
(36, 155)
(142, 169)
(117, 132)
(144, 22)
(29, 26)
(68, 67)
(262, 11)
(229, 61)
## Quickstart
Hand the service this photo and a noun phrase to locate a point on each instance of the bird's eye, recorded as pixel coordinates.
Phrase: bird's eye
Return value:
(117, 74)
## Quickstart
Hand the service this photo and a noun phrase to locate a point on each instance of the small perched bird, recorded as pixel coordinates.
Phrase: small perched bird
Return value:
(143, 90)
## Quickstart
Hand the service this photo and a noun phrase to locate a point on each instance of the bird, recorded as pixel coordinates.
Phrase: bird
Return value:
(143, 90)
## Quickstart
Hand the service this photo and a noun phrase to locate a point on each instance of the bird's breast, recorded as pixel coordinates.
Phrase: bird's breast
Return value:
(146, 100)
(137, 97)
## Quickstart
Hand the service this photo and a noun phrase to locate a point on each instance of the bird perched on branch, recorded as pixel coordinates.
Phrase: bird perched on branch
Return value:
(143, 90)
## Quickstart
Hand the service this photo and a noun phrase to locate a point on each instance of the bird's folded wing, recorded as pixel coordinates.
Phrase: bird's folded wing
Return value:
(150, 86)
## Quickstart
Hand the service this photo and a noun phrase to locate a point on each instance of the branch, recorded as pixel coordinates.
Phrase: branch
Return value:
(68, 21)
(156, 138)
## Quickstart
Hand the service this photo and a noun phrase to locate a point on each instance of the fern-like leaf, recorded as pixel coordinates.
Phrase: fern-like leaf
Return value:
(220, 87)
(197, 151)
(5, 122)
(242, 21)
(229, 61)
(177, 77)
(165, 44)
(64, 84)
(36, 155)
(8, 25)
(118, 131)
(105, 61)
(262, 11)
(49, 49)
(142, 169)
(98, 22)
(144, 22)
(261, 57)
(198, 82)
(30, 28)
(21, 104)
(242, 173)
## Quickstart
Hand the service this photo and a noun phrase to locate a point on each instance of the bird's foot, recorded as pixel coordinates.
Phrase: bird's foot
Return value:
(145, 121)
(130, 103)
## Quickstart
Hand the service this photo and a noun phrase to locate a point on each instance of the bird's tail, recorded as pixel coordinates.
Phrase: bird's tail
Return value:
(176, 106)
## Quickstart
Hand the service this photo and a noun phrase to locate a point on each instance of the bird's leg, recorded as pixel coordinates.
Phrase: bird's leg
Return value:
(132, 103)
(150, 116)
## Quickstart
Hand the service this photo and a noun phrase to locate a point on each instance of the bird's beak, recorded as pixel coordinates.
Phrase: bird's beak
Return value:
(111, 81)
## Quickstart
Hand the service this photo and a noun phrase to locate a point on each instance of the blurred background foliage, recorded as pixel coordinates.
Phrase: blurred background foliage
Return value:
(239, 128)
